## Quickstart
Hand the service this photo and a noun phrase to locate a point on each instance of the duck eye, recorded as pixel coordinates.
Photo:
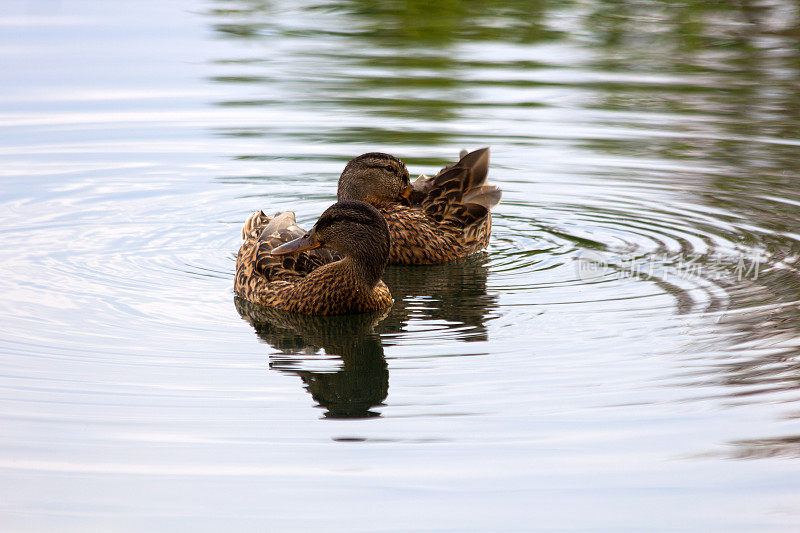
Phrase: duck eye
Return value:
(390, 168)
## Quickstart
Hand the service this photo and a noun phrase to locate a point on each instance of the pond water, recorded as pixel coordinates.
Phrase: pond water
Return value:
(625, 356)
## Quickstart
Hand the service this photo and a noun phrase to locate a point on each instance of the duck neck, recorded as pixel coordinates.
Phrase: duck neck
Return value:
(367, 271)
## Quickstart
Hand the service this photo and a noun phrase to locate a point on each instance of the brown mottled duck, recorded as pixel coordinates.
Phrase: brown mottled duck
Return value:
(281, 265)
(437, 218)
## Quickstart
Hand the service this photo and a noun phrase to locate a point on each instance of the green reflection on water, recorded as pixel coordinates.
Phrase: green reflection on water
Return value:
(705, 85)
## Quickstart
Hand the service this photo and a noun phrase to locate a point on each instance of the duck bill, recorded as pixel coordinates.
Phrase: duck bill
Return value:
(407, 192)
(307, 242)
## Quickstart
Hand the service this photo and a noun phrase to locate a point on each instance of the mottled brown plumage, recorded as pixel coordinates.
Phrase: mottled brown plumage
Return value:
(436, 219)
(316, 281)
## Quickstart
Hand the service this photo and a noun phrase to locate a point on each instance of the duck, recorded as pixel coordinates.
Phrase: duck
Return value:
(436, 218)
(333, 269)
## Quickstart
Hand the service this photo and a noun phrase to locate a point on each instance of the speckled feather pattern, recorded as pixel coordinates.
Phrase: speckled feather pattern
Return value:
(448, 217)
(316, 282)
(418, 239)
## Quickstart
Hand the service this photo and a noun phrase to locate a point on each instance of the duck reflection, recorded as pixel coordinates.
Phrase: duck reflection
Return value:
(360, 384)
(453, 295)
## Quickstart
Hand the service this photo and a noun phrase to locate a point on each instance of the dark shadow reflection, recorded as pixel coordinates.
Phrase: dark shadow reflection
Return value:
(787, 447)
(360, 384)
(452, 297)
(453, 294)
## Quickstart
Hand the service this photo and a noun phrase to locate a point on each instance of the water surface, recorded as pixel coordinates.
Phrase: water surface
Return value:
(623, 357)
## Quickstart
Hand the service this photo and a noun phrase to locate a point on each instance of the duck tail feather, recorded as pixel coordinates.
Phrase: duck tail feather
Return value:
(478, 164)
(255, 221)
(487, 196)
(279, 223)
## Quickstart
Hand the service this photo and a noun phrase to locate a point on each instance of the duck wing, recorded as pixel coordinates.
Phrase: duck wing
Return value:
(459, 194)
(423, 184)
(262, 234)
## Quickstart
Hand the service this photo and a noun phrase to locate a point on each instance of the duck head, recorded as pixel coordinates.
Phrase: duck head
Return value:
(374, 178)
(353, 228)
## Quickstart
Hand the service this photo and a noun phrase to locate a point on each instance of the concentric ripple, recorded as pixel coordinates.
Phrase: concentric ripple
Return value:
(634, 319)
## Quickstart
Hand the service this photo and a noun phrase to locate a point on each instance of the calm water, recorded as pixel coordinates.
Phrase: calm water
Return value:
(624, 357)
